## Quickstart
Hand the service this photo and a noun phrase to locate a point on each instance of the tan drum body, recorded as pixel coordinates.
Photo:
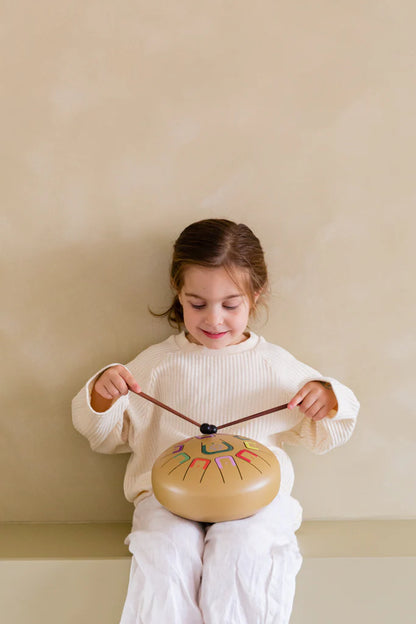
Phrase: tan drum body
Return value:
(214, 478)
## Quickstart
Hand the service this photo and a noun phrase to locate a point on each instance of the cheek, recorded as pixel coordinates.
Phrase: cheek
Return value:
(189, 314)
(244, 314)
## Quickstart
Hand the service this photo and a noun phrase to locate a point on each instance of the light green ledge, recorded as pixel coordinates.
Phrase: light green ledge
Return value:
(321, 539)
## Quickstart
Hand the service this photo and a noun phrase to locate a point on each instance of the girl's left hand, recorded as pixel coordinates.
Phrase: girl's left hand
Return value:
(315, 400)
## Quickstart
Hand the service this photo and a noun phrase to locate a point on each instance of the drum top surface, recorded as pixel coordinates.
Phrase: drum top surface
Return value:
(218, 476)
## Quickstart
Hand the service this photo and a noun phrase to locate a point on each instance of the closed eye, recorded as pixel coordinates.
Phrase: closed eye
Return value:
(200, 306)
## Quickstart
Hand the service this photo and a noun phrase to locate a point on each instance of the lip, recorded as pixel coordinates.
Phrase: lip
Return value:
(214, 336)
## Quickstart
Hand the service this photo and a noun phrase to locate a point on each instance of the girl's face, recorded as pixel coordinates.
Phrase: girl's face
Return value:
(215, 309)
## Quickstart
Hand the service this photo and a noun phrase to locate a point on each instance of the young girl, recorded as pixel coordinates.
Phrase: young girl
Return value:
(215, 370)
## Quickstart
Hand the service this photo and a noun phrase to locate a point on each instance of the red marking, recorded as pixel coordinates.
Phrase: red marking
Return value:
(240, 455)
(205, 461)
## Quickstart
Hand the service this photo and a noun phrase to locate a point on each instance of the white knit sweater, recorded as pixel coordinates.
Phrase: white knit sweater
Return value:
(212, 386)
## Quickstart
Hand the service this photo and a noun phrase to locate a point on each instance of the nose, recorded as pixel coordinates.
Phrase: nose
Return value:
(214, 316)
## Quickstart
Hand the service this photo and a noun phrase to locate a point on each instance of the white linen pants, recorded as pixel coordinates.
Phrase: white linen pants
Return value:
(237, 572)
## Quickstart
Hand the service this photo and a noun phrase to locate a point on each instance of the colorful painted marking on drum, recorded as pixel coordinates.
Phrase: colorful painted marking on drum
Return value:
(251, 445)
(185, 456)
(248, 442)
(232, 462)
(206, 463)
(217, 446)
(218, 460)
(178, 449)
(241, 453)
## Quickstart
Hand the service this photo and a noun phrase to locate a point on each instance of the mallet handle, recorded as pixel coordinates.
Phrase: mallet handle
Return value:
(257, 415)
(193, 422)
(166, 407)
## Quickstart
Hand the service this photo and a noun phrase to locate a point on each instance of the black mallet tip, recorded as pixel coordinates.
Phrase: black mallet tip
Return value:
(207, 429)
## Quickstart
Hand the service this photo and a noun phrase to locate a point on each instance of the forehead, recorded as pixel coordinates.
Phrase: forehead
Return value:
(213, 282)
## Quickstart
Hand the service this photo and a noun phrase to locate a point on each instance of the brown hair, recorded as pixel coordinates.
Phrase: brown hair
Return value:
(218, 243)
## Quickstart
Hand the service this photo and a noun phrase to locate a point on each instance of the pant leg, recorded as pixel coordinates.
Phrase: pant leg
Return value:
(166, 567)
(250, 566)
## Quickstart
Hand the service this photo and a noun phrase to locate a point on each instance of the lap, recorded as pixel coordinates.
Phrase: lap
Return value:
(276, 523)
(273, 525)
(153, 524)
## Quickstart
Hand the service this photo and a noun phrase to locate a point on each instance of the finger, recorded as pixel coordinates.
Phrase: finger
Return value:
(311, 401)
(108, 390)
(310, 406)
(129, 380)
(298, 398)
(322, 413)
(117, 386)
(102, 391)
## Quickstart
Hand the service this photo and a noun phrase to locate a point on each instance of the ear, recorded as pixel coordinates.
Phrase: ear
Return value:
(256, 296)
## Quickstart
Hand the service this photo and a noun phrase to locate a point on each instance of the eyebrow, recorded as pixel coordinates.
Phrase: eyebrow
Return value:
(199, 296)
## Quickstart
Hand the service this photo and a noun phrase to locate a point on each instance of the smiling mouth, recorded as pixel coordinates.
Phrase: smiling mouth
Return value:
(214, 336)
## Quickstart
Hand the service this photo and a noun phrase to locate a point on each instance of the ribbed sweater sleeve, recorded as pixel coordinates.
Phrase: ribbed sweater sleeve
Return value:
(117, 429)
(107, 432)
(317, 436)
(326, 434)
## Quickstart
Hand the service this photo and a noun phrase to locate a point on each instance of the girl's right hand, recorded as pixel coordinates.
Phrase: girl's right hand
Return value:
(110, 386)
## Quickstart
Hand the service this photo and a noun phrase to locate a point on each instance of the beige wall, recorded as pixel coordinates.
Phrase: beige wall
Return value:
(124, 121)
